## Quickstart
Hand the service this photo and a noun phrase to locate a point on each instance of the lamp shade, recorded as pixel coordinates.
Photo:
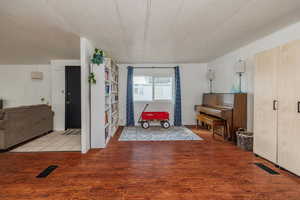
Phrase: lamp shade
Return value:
(240, 67)
(210, 75)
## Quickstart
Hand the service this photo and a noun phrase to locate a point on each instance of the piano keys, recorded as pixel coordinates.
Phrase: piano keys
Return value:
(231, 107)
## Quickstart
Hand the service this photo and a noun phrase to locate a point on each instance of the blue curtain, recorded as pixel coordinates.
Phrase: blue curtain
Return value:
(129, 103)
(177, 109)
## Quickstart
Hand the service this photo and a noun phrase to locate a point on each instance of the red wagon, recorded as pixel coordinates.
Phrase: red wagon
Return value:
(147, 117)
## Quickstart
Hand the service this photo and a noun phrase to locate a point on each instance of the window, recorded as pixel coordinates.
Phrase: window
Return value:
(162, 88)
(142, 87)
(149, 88)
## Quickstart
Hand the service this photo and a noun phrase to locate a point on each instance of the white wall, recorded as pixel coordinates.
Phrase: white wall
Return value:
(58, 90)
(18, 89)
(224, 66)
(86, 51)
(193, 85)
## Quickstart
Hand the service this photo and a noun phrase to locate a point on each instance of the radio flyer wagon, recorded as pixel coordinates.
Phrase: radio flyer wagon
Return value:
(147, 117)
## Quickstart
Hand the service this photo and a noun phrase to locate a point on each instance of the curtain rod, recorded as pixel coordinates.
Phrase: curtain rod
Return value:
(153, 67)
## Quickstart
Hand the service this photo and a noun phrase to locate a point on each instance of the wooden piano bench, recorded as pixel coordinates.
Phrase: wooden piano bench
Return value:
(214, 123)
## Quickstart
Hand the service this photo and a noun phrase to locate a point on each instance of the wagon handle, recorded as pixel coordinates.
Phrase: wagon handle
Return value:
(142, 112)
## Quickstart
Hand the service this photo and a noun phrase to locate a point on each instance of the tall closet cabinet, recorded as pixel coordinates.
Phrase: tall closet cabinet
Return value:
(277, 106)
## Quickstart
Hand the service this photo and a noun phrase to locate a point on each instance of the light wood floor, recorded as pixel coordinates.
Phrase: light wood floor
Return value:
(209, 170)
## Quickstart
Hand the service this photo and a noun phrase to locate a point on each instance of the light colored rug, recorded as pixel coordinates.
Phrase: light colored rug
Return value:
(72, 132)
(157, 134)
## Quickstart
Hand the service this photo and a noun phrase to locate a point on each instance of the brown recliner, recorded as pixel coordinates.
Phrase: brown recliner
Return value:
(23, 123)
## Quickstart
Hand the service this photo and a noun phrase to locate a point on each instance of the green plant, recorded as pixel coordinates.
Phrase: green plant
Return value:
(92, 78)
(98, 57)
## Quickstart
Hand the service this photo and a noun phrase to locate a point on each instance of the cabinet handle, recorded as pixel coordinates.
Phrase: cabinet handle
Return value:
(275, 105)
(298, 106)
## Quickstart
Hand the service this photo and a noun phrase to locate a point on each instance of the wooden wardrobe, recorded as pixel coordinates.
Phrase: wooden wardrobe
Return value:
(277, 106)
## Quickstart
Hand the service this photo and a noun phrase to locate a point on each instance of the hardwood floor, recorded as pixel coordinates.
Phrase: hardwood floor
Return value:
(209, 169)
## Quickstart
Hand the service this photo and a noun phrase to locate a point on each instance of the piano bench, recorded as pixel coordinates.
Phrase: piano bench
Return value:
(214, 123)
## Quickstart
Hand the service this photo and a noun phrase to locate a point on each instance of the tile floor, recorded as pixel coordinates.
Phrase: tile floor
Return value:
(55, 141)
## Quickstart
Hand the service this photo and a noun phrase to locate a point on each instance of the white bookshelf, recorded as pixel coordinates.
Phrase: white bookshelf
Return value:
(104, 103)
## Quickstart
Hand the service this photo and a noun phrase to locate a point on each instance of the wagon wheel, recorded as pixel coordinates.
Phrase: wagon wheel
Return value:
(145, 125)
(165, 124)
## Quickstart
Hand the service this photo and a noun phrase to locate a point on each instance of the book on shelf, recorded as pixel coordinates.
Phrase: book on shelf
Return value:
(106, 75)
(106, 133)
(106, 117)
(107, 89)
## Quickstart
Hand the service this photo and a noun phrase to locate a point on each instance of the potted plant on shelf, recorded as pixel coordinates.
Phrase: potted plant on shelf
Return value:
(98, 58)
(92, 78)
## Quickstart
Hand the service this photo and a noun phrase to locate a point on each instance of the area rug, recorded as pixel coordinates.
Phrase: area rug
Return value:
(72, 132)
(157, 134)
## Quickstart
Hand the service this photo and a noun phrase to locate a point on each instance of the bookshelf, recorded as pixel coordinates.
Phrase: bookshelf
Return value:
(104, 103)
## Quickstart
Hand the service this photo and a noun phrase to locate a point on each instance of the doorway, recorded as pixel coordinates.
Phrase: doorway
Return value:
(73, 98)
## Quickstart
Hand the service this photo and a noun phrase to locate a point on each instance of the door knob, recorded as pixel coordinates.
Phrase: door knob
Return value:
(68, 102)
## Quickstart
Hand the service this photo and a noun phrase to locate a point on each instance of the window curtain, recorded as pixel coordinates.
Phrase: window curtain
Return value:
(129, 102)
(177, 105)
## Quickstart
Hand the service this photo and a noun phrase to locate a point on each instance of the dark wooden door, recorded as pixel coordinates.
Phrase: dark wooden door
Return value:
(73, 98)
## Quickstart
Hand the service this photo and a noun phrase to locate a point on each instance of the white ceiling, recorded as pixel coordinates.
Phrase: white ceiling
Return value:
(137, 31)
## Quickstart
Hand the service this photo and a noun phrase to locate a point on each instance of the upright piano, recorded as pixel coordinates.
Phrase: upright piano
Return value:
(231, 107)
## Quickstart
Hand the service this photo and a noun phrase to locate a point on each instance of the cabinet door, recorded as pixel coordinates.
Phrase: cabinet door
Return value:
(265, 93)
(288, 115)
